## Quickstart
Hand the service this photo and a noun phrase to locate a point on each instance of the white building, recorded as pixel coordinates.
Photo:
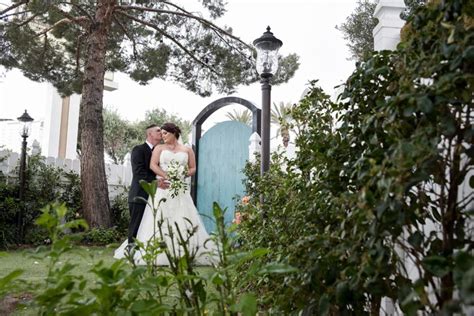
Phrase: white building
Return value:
(57, 131)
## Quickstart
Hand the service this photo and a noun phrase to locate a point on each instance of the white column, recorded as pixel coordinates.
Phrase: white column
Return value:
(254, 146)
(73, 126)
(387, 32)
(53, 141)
(52, 123)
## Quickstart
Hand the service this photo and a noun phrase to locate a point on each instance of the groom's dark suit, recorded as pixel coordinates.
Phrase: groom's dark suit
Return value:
(140, 158)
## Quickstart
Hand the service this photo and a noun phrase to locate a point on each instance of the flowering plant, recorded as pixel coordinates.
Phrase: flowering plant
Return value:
(176, 175)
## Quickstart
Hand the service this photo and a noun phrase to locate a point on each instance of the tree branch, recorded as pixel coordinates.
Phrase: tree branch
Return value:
(124, 29)
(31, 18)
(82, 21)
(78, 52)
(170, 38)
(62, 21)
(13, 6)
(175, 6)
(13, 14)
(80, 9)
(191, 16)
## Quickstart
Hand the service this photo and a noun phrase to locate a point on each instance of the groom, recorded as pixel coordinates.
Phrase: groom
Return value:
(140, 158)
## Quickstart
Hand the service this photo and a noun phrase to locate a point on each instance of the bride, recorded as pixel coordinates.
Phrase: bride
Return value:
(177, 210)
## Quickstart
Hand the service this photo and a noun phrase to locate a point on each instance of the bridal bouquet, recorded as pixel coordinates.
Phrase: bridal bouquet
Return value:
(177, 174)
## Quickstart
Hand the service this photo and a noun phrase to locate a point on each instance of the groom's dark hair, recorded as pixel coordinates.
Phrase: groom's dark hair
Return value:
(150, 126)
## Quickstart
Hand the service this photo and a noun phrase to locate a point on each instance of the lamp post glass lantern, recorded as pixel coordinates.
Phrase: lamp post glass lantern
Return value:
(267, 47)
(26, 119)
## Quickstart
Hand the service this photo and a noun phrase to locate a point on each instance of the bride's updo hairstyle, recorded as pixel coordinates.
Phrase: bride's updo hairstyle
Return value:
(172, 128)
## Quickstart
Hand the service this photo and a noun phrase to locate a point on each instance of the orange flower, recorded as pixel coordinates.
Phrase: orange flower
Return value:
(246, 200)
(237, 218)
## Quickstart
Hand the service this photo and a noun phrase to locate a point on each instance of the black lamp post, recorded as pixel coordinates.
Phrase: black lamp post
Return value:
(267, 47)
(26, 119)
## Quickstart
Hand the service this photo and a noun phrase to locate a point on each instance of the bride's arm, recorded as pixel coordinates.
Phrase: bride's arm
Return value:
(191, 162)
(155, 163)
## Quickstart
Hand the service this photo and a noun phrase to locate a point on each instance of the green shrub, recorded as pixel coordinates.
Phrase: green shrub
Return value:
(120, 212)
(44, 184)
(101, 236)
(379, 183)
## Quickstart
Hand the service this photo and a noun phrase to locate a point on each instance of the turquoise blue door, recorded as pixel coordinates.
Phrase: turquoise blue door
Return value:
(223, 151)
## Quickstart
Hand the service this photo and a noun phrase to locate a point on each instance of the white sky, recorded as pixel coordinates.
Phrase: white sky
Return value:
(306, 27)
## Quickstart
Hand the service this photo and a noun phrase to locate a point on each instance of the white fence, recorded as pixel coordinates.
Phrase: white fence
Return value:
(118, 176)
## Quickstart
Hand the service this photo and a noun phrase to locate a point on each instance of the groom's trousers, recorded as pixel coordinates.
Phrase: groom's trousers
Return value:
(136, 215)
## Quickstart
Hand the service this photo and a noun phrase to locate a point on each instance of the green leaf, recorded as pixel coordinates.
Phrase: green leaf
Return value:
(217, 279)
(435, 212)
(408, 110)
(324, 305)
(342, 293)
(217, 210)
(149, 187)
(469, 53)
(467, 286)
(4, 281)
(437, 265)
(247, 305)
(425, 104)
(416, 239)
(277, 268)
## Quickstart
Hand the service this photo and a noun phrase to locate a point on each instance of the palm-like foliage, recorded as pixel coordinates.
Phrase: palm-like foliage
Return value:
(281, 116)
(240, 116)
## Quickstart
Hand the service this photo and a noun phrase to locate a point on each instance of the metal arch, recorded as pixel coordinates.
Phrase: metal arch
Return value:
(220, 103)
(208, 111)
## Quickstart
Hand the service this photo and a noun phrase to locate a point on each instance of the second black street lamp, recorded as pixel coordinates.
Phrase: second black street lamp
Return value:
(26, 119)
(267, 47)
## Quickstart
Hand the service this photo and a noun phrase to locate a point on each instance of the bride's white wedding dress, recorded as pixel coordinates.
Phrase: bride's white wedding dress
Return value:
(179, 210)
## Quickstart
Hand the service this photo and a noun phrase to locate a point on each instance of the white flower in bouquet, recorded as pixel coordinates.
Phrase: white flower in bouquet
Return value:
(176, 176)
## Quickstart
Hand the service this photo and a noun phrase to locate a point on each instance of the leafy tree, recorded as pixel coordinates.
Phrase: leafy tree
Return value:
(119, 135)
(244, 116)
(160, 116)
(357, 29)
(359, 26)
(411, 7)
(72, 43)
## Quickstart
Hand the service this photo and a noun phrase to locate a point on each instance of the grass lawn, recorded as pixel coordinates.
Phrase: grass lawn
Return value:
(34, 264)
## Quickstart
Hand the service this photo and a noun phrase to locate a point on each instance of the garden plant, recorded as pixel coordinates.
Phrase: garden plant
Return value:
(378, 202)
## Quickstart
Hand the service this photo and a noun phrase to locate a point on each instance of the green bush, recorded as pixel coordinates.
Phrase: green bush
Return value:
(44, 184)
(378, 183)
(101, 236)
(120, 212)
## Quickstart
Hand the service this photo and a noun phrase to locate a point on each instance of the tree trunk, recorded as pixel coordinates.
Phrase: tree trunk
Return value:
(95, 195)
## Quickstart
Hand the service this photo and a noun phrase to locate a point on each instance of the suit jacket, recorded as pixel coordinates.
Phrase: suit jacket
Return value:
(140, 158)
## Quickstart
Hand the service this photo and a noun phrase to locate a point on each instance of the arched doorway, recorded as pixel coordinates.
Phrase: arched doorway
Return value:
(221, 154)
